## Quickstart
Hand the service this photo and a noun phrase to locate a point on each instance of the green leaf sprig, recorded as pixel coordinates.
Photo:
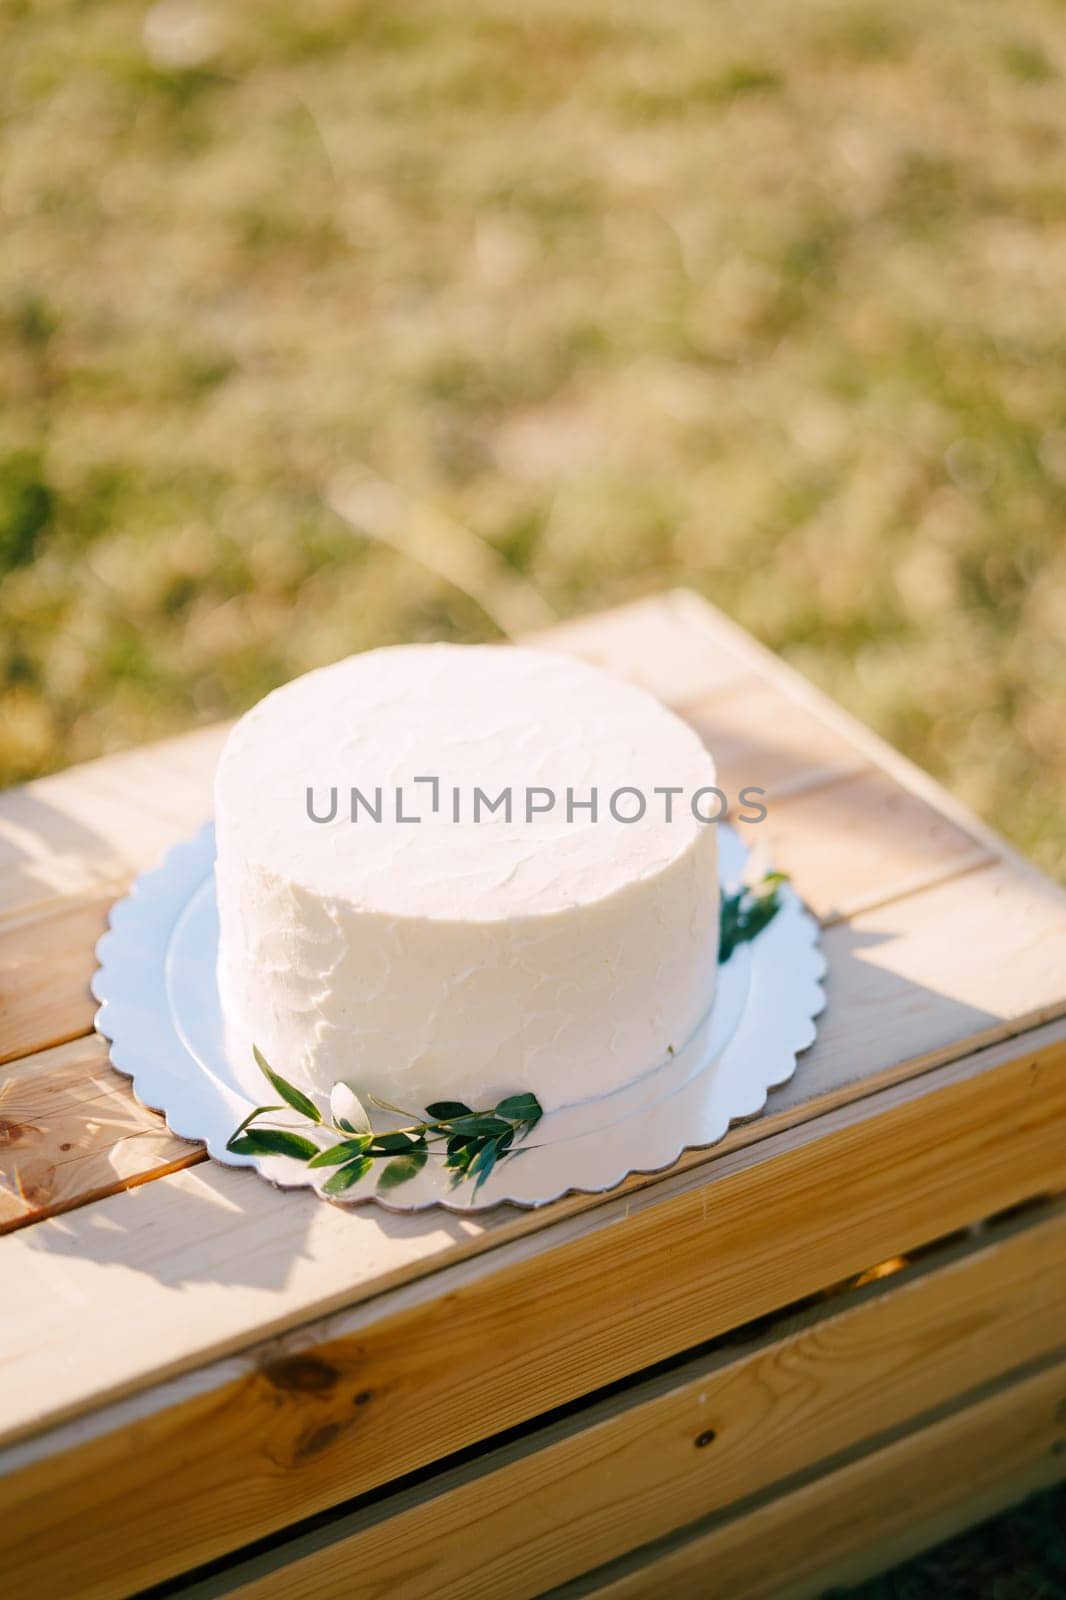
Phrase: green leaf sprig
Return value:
(747, 912)
(472, 1142)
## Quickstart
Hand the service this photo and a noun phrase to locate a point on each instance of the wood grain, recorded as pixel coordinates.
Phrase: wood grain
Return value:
(71, 1131)
(865, 1517)
(754, 744)
(633, 1468)
(443, 1362)
(47, 960)
(686, 610)
(862, 841)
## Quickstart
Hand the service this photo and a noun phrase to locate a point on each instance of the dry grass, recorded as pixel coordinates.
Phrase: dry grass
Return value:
(764, 299)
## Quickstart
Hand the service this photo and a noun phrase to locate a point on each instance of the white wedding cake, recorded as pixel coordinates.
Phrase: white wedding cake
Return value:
(456, 872)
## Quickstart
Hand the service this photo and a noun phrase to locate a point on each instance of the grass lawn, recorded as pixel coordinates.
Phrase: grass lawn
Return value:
(764, 299)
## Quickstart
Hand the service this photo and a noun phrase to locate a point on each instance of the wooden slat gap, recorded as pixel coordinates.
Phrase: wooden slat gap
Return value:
(1045, 1375)
(965, 869)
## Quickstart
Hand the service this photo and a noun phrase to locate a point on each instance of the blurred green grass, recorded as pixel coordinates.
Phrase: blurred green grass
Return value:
(767, 300)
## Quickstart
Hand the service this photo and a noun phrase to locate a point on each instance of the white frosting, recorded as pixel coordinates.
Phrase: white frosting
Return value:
(463, 960)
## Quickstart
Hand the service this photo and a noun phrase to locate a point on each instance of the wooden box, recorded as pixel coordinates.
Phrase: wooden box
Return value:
(785, 1363)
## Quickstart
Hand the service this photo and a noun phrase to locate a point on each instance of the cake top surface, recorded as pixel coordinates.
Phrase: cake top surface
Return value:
(488, 718)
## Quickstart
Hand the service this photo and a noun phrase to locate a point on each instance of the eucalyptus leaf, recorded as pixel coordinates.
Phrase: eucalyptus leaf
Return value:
(272, 1142)
(461, 1151)
(480, 1122)
(288, 1091)
(760, 916)
(344, 1177)
(347, 1110)
(260, 1111)
(390, 1143)
(402, 1168)
(745, 913)
(520, 1108)
(446, 1110)
(481, 1166)
(338, 1153)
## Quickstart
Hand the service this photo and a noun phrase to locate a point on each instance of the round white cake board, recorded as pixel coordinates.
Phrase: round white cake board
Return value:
(160, 1010)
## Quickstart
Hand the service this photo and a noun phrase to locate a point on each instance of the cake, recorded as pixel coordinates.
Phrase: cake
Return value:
(424, 941)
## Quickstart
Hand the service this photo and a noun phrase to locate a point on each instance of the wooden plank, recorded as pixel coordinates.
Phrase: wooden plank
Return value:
(688, 611)
(71, 1131)
(676, 653)
(862, 841)
(754, 744)
(82, 831)
(634, 1467)
(867, 1516)
(998, 943)
(955, 968)
(298, 1424)
(47, 960)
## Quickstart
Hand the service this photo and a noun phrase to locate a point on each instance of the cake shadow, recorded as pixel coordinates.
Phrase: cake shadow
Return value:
(212, 1224)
